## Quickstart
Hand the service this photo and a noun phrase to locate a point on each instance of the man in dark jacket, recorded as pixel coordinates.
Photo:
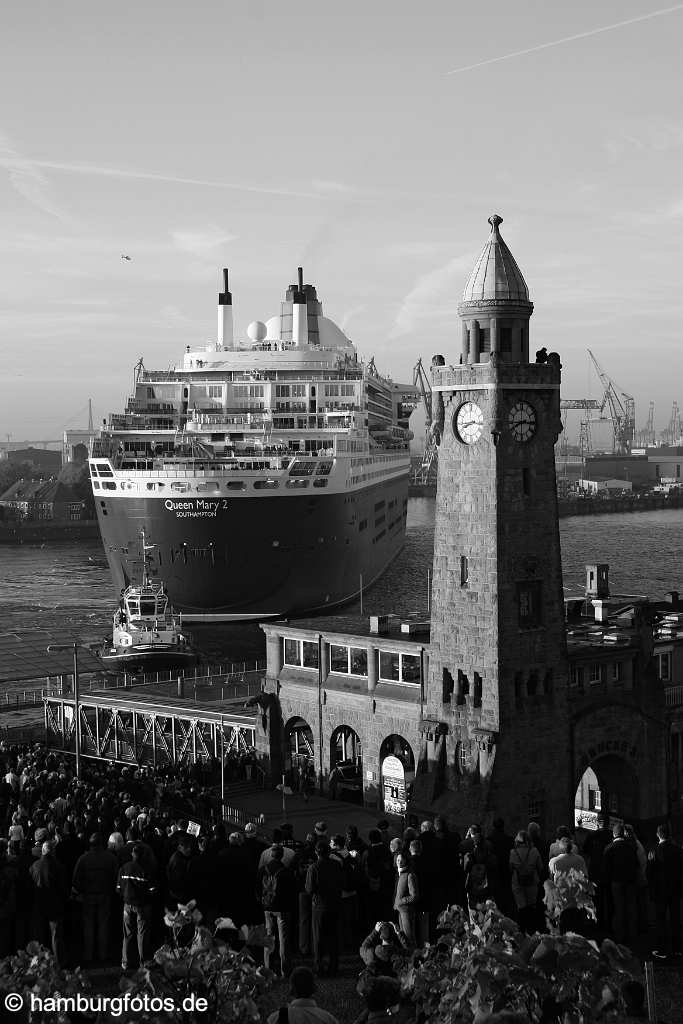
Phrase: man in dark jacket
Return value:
(94, 882)
(324, 883)
(135, 887)
(49, 879)
(620, 871)
(179, 874)
(378, 866)
(276, 890)
(665, 875)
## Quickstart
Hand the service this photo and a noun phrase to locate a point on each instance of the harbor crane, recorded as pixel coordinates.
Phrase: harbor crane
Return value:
(426, 474)
(673, 430)
(622, 410)
(646, 435)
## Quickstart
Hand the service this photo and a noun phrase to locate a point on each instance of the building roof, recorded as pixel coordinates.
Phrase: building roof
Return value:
(496, 274)
(29, 490)
(358, 626)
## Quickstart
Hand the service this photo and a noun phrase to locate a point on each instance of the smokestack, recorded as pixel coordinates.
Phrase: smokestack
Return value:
(225, 335)
(300, 314)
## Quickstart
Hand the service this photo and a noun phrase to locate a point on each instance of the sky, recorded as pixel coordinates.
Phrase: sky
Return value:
(368, 141)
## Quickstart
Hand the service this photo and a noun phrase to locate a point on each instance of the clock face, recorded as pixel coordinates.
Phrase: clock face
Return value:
(522, 421)
(469, 422)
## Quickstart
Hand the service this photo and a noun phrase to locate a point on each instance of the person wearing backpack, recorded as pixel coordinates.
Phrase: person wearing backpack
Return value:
(276, 889)
(526, 868)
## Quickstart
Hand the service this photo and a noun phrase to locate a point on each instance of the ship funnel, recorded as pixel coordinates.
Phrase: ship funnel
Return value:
(225, 333)
(300, 314)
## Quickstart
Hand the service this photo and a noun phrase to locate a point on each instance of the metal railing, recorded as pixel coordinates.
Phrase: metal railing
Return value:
(673, 696)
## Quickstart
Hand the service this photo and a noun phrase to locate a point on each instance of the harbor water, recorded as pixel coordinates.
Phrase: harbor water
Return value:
(67, 589)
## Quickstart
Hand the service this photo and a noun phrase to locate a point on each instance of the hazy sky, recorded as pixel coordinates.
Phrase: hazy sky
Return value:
(263, 135)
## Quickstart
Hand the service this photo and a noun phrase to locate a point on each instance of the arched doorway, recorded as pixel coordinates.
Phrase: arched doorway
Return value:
(608, 787)
(299, 753)
(397, 768)
(346, 765)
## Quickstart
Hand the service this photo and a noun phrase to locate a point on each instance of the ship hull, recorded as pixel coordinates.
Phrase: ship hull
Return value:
(255, 557)
(151, 656)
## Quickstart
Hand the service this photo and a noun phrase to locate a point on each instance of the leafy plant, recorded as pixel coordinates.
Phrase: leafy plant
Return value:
(200, 963)
(568, 890)
(34, 971)
(483, 964)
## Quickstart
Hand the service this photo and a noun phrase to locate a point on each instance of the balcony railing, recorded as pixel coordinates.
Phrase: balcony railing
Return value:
(673, 696)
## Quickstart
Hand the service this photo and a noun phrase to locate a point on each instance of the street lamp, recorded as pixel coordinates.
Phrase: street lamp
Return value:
(56, 649)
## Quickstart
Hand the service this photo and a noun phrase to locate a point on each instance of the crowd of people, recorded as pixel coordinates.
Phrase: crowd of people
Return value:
(88, 867)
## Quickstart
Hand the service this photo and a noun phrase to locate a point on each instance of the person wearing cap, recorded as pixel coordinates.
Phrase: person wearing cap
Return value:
(94, 882)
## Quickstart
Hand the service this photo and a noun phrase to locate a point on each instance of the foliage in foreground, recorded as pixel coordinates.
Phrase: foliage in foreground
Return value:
(199, 963)
(482, 966)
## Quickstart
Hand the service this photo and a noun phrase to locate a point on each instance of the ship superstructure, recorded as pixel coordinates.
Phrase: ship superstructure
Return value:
(271, 473)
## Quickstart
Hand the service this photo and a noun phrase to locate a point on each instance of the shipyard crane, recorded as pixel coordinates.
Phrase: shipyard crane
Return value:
(621, 407)
(673, 430)
(646, 436)
(427, 471)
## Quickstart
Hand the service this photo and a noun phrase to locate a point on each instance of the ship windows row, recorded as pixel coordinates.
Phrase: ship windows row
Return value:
(231, 485)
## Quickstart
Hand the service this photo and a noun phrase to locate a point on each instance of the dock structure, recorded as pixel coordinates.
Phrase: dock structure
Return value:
(153, 725)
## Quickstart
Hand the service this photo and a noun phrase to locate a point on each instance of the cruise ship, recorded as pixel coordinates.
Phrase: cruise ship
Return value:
(269, 475)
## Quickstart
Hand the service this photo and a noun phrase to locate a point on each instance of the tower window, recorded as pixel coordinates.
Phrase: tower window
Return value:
(448, 686)
(526, 482)
(464, 570)
(478, 690)
(505, 339)
(529, 600)
(484, 339)
(518, 686)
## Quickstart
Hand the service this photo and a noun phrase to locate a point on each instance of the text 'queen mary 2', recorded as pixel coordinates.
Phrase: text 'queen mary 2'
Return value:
(269, 475)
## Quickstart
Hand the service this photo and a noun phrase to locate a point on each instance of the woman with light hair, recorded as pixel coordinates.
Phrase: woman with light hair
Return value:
(526, 867)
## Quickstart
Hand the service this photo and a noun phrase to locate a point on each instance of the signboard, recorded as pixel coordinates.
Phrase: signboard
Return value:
(193, 828)
(394, 785)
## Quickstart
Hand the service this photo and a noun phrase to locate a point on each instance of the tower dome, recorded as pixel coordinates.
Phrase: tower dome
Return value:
(496, 274)
(495, 307)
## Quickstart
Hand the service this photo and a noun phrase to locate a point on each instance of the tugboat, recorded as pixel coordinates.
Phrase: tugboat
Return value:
(146, 632)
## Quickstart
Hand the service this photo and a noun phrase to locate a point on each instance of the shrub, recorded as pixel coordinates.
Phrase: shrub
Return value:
(483, 964)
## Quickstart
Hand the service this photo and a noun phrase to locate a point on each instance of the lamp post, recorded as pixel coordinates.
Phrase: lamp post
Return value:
(56, 649)
(222, 771)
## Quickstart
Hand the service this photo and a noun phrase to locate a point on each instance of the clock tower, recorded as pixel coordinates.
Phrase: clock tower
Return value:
(496, 733)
